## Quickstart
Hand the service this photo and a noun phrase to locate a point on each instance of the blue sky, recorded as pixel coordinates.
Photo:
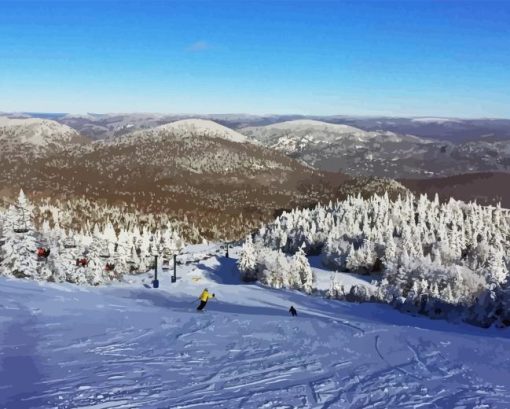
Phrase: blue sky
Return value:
(442, 58)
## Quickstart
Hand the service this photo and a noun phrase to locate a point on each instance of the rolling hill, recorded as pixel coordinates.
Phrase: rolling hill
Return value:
(343, 148)
(36, 136)
(454, 130)
(229, 182)
(194, 170)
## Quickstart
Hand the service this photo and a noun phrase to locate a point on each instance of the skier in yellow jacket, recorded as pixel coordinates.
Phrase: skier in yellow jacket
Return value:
(204, 297)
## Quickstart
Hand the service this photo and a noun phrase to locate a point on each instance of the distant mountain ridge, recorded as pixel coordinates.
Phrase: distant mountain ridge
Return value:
(455, 130)
(331, 147)
(192, 170)
(343, 148)
(196, 166)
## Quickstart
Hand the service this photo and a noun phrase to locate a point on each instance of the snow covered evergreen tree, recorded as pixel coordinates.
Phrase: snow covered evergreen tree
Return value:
(247, 262)
(19, 258)
(453, 251)
(301, 267)
(96, 253)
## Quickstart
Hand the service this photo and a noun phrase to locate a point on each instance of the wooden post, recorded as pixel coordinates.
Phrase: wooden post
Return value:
(174, 278)
(226, 252)
(155, 283)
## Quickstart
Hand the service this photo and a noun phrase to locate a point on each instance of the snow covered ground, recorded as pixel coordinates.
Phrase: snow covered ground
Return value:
(323, 277)
(131, 346)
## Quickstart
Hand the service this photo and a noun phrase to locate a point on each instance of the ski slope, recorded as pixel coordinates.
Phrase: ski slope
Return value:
(131, 346)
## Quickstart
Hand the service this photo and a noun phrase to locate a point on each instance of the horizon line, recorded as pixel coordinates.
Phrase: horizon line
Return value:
(192, 114)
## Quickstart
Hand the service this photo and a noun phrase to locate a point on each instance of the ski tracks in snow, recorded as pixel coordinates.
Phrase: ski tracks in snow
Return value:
(148, 356)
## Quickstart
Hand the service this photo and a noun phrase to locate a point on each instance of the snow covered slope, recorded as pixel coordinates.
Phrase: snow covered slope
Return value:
(298, 135)
(337, 147)
(201, 127)
(129, 346)
(36, 134)
(384, 149)
(307, 124)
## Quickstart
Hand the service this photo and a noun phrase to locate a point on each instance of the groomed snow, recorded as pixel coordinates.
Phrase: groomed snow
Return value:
(323, 277)
(132, 346)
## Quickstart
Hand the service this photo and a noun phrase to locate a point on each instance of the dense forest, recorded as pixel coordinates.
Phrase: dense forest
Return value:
(440, 259)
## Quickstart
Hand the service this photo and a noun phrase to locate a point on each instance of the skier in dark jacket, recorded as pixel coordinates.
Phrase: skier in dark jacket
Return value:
(293, 311)
(204, 297)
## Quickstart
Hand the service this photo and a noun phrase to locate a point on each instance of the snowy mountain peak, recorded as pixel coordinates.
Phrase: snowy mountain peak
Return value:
(202, 127)
(298, 136)
(345, 148)
(302, 124)
(86, 116)
(37, 133)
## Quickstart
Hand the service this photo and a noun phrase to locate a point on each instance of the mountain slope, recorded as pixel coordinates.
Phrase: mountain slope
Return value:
(297, 135)
(201, 174)
(190, 128)
(128, 346)
(455, 130)
(486, 188)
(108, 126)
(333, 147)
(36, 135)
